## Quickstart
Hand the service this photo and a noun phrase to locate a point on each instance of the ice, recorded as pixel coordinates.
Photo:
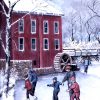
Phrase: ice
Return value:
(89, 85)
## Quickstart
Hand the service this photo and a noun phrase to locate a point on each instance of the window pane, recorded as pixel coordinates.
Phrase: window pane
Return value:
(56, 42)
(46, 44)
(33, 26)
(21, 44)
(21, 26)
(33, 44)
(45, 27)
(56, 27)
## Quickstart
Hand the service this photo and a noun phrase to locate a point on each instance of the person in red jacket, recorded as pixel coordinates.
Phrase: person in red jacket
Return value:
(75, 88)
(28, 87)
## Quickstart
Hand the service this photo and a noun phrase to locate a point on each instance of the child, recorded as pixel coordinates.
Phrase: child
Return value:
(28, 87)
(75, 88)
(56, 85)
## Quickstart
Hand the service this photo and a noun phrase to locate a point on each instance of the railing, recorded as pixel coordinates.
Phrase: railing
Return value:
(82, 52)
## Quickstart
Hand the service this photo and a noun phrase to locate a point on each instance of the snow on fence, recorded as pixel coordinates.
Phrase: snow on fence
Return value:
(82, 52)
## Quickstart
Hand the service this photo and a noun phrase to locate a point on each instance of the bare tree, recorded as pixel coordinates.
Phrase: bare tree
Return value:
(6, 48)
(72, 26)
(92, 22)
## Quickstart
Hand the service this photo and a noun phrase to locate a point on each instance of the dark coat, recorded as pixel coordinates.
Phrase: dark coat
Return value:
(68, 76)
(55, 85)
(33, 78)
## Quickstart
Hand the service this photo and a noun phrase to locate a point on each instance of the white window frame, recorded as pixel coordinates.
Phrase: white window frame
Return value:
(44, 44)
(47, 27)
(58, 44)
(19, 26)
(54, 27)
(35, 26)
(35, 44)
(19, 43)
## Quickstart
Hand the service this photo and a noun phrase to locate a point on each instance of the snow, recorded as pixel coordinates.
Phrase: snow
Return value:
(89, 85)
(36, 6)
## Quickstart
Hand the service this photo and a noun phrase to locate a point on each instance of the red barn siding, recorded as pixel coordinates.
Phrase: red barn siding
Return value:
(42, 58)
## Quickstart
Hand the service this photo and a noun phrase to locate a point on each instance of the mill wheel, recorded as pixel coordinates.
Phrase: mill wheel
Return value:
(60, 61)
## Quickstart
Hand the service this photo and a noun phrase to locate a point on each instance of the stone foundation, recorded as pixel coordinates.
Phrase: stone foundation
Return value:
(20, 68)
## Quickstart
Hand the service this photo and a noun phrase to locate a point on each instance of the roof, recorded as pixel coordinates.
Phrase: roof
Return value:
(36, 6)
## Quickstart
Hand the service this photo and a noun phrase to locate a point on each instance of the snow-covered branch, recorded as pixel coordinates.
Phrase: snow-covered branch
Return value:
(3, 8)
(1, 41)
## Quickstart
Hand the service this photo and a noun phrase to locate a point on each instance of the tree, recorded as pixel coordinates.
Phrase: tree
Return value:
(71, 21)
(6, 48)
(92, 24)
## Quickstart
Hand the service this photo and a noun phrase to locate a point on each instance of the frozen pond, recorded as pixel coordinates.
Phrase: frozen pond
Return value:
(89, 85)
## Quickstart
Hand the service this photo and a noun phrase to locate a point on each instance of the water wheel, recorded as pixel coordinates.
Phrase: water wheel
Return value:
(60, 61)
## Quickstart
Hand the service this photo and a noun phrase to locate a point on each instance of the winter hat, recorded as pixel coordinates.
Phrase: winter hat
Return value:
(68, 66)
(55, 78)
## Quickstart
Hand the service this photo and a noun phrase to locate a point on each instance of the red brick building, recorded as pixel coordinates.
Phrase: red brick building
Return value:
(36, 35)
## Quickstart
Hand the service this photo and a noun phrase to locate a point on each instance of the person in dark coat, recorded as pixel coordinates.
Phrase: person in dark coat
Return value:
(75, 88)
(86, 64)
(33, 79)
(56, 85)
(68, 76)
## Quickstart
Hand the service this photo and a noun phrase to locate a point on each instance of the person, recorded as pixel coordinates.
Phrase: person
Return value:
(32, 75)
(86, 64)
(68, 76)
(74, 86)
(28, 87)
(56, 85)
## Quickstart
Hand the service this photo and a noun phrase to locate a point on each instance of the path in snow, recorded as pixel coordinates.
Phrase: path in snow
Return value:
(89, 84)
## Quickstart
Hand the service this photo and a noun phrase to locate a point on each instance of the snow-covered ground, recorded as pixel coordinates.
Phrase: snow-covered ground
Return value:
(89, 85)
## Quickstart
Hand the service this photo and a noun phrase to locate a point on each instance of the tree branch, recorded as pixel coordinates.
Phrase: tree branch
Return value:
(2, 5)
(2, 44)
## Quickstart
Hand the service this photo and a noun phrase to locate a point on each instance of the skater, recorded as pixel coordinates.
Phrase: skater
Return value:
(56, 84)
(28, 87)
(33, 79)
(74, 86)
(86, 64)
(68, 76)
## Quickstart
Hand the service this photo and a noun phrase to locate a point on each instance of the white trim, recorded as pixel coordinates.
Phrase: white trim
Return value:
(35, 45)
(44, 43)
(58, 27)
(19, 44)
(58, 44)
(19, 25)
(47, 27)
(35, 26)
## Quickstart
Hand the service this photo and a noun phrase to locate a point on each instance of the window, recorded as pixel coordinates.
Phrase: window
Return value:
(33, 26)
(45, 27)
(21, 44)
(56, 43)
(56, 27)
(21, 25)
(33, 44)
(45, 44)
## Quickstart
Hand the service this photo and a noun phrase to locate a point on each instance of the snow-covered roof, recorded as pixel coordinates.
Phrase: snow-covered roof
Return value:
(36, 6)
